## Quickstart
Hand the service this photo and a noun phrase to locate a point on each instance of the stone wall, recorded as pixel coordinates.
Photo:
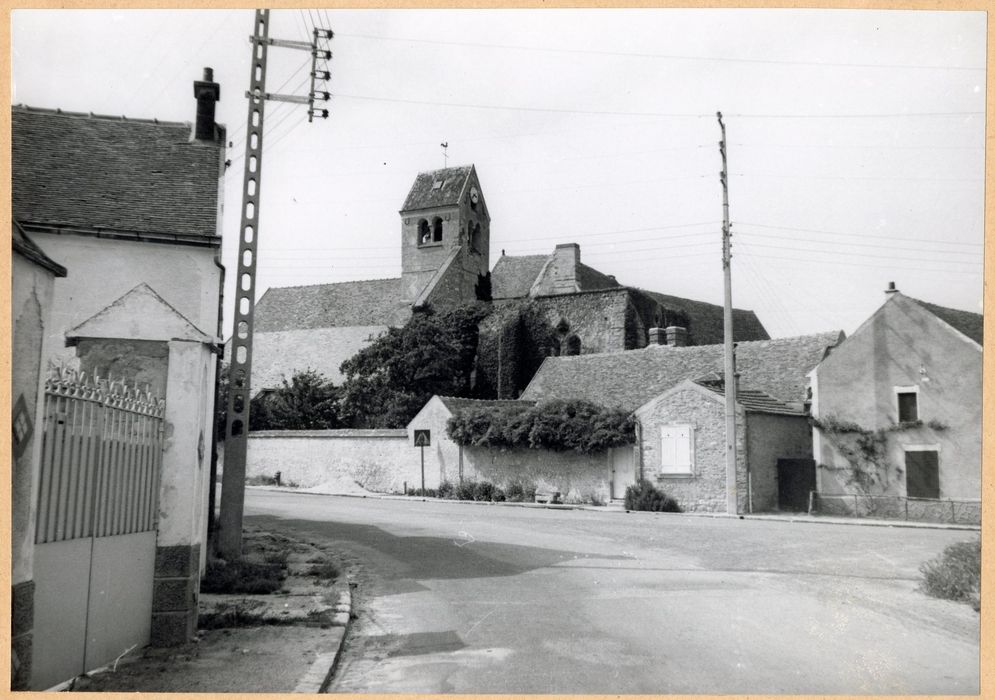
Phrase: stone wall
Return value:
(597, 318)
(580, 478)
(377, 460)
(705, 488)
(770, 437)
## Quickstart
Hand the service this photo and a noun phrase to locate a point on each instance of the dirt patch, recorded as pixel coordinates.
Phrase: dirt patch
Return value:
(258, 660)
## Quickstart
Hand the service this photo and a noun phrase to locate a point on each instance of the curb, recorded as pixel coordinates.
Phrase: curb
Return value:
(609, 509)
(319, 675)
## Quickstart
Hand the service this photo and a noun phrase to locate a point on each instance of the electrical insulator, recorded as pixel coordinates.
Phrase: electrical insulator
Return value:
(322, 75)
(321, 53)
(321, 96)
(323, 113)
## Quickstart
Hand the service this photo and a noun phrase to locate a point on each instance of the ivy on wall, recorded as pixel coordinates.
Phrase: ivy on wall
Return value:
(555, 425)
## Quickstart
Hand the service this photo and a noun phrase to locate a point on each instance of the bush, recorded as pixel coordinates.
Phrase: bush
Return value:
(427, 493)
(497, 495)
(554, 425)
(447, 490)
(325, 571)
(515, 492)
(955, 574)
(241, 576)
(464, 491)
(646, 496)
(483, 491)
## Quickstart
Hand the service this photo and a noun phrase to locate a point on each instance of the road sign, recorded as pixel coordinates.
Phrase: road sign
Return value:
(423, 438)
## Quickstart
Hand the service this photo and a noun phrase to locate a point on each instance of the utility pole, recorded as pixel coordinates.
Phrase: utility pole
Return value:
(240, 369)
(729, 380)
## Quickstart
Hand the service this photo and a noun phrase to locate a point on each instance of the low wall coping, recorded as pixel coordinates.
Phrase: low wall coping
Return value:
(331, 434)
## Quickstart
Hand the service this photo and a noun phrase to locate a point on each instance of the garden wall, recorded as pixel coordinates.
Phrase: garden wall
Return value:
(578, 477)
(377, 460)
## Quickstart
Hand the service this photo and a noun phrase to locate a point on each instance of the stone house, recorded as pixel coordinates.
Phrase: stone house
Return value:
(445, 254)
(910, 377)
(132, 208)
(676, 394)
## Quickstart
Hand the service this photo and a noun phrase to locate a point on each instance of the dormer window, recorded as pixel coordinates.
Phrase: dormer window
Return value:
(437, 184)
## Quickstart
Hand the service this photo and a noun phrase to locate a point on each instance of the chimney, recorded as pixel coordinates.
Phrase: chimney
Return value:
(207, 93)
(677, 336)
(657, 336)
(566, 257)
(891, 289)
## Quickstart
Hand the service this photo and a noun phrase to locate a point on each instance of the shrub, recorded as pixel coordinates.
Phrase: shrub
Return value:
(498, 495)
(483, 491)
(646, 496)
(325, 571)
(447, 490)
(241, 576)
(555, 425)
(428, 493)
(464, 491)
(515, 492)
(955, 574)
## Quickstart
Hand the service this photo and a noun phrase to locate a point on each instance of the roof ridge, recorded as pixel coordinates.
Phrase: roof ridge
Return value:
(28, 109)
(941, 306)
(332, 284)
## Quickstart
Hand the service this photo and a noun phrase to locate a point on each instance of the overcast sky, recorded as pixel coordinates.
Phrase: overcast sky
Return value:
(856, 139)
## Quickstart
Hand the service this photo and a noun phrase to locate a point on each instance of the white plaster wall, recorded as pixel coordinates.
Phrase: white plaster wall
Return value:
(378, 460)
(102, 270)
(442, 455)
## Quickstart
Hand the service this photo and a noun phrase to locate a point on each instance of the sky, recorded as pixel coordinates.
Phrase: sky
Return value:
(855, 139)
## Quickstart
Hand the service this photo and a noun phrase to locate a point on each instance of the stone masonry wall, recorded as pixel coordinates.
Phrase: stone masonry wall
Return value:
(578, 477)
(705, 489)
(597, 318)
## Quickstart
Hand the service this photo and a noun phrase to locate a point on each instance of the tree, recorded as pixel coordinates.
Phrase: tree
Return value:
(307, 402)
(389, 381)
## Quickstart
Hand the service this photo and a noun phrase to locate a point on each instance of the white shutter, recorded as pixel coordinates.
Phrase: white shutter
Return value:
(676, 449)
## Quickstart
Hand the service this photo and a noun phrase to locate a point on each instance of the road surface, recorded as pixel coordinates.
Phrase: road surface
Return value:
(459, 598)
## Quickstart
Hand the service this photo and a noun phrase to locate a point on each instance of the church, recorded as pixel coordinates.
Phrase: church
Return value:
(445, 262)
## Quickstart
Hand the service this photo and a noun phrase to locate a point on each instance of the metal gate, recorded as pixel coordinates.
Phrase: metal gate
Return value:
(96, 519)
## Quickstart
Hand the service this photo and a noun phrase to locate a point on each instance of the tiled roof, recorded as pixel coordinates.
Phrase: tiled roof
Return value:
(756, 400)
(29, 249)
(365, 303)
(95, 172)
(456, 404)
(425, 195)
(589, 279)
(513, 275)
(629, 379)
(706, 320)
(970, 324)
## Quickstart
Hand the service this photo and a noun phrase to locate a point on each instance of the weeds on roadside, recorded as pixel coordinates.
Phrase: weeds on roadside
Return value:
(325, 571)
(955, 574)
(241, 576)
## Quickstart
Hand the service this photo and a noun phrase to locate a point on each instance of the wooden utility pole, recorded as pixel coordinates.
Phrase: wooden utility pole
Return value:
(729, 380)
(229, 542)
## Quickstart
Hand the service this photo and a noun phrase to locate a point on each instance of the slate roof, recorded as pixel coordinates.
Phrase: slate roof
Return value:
(756, 400)
(456, 404)
(629, 379)
(706, 320)
(98, 172)
(29, 249)
(970, 324)
(363, 303)
(424, 196)
(513, 275)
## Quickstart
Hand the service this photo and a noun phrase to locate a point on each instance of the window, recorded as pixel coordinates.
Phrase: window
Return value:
(676, 450)
(571, 345)
(908, 404)
(922, 474)
(475, 238)
(437, 230)
(424, 236)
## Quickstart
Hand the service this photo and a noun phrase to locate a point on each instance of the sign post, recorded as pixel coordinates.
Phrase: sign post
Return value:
(423, 438)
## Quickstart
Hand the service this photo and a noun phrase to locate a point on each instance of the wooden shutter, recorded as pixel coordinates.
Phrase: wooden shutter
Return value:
(922, 474)
(676, 449)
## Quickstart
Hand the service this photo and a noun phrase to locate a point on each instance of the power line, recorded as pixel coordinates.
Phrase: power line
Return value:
(905, 248)
(865, 255)
(861, 147)
(857, 235)
(847, 263)
(861, 177)
(679, 57)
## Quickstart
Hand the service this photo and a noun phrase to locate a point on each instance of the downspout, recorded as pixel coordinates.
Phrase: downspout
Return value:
(639, 449)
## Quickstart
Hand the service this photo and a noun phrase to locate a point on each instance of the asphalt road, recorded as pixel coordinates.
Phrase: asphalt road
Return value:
(457, 598)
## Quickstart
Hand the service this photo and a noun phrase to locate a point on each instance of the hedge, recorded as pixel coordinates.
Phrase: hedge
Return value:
(555, 425)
